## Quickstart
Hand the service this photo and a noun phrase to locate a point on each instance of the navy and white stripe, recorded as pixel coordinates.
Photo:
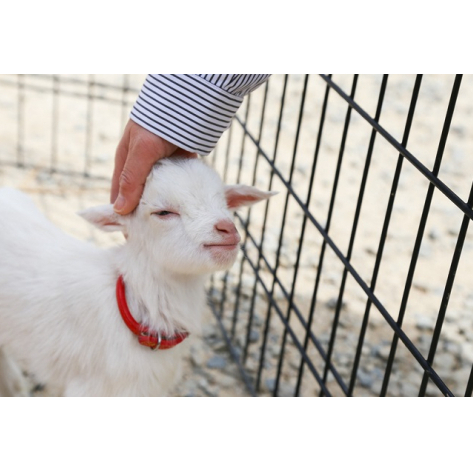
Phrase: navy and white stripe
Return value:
(192, 110)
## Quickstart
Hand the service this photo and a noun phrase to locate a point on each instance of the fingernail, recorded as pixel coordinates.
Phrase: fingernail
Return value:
(119, 204)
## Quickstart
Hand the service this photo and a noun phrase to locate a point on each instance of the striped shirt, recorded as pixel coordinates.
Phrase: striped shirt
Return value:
(192, 110)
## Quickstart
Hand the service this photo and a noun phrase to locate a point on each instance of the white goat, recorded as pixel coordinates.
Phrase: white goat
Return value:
(59, 317)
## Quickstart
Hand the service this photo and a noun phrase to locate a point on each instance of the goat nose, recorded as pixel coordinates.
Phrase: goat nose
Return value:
(226, 227)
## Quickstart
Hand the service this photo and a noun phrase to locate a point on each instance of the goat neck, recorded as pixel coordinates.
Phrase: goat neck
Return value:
(159, 298)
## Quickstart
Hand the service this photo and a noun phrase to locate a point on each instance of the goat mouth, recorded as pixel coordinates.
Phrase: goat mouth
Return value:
(226, 246)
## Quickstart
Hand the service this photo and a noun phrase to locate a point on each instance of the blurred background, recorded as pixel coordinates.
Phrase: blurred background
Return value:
(355, 280)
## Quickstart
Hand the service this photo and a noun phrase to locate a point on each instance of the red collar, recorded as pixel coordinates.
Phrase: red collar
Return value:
(148, 338)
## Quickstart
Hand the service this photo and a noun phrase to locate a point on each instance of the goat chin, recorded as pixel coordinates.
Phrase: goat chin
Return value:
(59, 318)
(222, 256)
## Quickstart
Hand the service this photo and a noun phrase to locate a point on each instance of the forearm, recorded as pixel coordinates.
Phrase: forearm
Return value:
(192, 110)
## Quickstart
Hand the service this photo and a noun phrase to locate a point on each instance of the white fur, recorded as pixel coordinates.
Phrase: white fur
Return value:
(58, 313)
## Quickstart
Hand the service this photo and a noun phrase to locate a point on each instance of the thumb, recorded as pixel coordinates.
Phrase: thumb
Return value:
(131, 184)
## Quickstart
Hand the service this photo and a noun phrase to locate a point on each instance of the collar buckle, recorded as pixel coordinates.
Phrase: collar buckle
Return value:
(158, 345)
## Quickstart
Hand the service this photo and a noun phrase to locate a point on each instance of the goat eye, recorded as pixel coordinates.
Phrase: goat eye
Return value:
(164, 213)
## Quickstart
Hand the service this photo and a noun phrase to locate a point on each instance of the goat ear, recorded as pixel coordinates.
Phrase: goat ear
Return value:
(105, 218)
(240, 195)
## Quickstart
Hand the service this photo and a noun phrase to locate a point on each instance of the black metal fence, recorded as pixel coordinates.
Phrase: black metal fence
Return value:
(354, 280)
(320, 337)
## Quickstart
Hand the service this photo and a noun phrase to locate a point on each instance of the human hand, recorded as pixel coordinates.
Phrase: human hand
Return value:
(136, 154)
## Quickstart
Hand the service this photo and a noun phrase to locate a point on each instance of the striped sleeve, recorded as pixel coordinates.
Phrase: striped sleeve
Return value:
(192, 110)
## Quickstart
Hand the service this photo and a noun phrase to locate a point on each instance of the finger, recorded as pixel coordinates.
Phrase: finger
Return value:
(131, 182)
(120, 159)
